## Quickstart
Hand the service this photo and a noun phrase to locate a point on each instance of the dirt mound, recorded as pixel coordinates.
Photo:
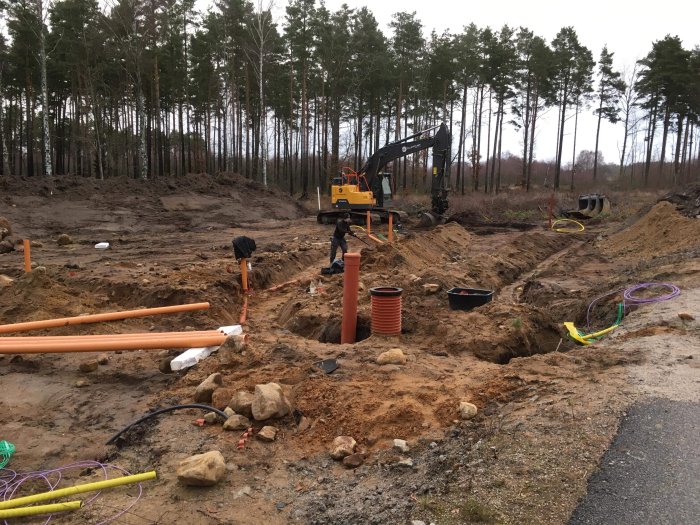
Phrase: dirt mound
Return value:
(662, 231)
(686, 200)
(422, 252)
(124, 205)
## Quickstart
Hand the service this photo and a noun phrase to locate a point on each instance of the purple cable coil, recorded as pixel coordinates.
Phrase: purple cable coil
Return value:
(629, 299)
(11, 481)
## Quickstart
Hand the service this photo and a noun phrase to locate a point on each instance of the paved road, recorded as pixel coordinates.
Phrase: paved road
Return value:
(650, 475)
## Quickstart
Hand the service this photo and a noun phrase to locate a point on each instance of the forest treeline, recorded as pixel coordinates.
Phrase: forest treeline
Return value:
(153, 88)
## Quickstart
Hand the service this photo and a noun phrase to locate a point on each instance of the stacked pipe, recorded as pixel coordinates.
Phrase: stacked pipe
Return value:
(98, 343)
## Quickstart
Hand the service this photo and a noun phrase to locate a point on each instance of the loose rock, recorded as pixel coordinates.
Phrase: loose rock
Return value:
(82, 383)
(6, 246)
(237, 422)
(205, 390)
(395, 356)
(401, 445)
(686, 316)
(229, 412)
(267, 433)
(64, 240)
(202, 470)
(164, 365)
(210, 418)
(5, 228)
(269, 401)
(103, 359)
(88, 366)
(353, 460)
(431, 288)
(467, 410)
(221, 397)
(5, 281)
(242, 403)
(343, 446)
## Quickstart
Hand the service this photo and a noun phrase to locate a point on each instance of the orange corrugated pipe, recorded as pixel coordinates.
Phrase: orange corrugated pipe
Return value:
(27, 256)
(77, 345)
(97, 318)
(351, 282)
(386, 310)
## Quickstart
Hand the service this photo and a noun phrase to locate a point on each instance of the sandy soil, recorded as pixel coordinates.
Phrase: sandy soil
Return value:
(547, 408)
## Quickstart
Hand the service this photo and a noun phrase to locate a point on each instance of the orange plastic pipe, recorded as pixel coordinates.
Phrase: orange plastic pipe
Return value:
(369, 222)
(115, 337)
(244, 311)
(27, 256)
(282, 285)
(76, 345)
(375, 239)
(97, 318)
(351, 282)
(244, 275)
(391, 227)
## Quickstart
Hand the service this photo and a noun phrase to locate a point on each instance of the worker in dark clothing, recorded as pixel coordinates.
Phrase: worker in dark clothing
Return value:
(243, 247)
(342, 227)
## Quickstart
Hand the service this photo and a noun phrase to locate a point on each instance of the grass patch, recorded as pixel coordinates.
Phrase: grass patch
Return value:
(446, 512)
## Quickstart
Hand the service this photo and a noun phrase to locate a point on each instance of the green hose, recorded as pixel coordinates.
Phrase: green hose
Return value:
(6, 451)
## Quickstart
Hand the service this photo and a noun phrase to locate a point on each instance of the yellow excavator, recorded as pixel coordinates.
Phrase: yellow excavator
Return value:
(357, 192)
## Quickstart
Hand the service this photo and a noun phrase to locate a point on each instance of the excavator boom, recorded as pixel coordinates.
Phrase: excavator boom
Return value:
(355, 193)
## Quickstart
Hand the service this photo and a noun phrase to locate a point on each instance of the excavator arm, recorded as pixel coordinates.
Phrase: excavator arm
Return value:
(440, 142)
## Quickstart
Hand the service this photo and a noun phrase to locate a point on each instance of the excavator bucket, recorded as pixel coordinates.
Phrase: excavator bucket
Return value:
(590, 206)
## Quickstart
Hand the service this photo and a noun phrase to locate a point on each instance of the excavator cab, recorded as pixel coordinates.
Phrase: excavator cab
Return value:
(351, 191)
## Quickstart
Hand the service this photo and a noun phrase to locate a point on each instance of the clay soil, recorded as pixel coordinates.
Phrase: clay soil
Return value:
(547, 408)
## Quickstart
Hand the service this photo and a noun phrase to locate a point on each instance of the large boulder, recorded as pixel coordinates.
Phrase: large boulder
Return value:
(237, 422)
(202, 470)
(395, 356)
(242, 403)
(269, 401)
(204, 391)
(342, 447)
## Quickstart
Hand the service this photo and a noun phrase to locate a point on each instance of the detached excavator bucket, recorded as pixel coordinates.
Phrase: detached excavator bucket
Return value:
(590, 206)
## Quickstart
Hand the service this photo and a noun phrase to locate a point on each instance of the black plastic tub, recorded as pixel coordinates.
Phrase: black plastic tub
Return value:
(468, 298)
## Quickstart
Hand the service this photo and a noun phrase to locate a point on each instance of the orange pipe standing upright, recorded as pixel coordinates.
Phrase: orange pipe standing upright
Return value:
(27, 256)
(386, 310)
(351, 281)
(391, 228)
(244, 275)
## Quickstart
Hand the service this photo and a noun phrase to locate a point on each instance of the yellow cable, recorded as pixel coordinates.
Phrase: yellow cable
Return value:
(77, 489)
(581, 227)
(40, 509)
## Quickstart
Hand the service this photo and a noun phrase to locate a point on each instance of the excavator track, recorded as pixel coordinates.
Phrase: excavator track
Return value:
(378, 215)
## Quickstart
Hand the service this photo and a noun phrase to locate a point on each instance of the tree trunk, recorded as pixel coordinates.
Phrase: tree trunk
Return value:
(597, 137)
(48, 164)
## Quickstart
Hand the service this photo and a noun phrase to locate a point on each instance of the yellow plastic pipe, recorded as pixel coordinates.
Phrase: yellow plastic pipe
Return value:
(40, 509)
(97, 318)
(77, 489)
